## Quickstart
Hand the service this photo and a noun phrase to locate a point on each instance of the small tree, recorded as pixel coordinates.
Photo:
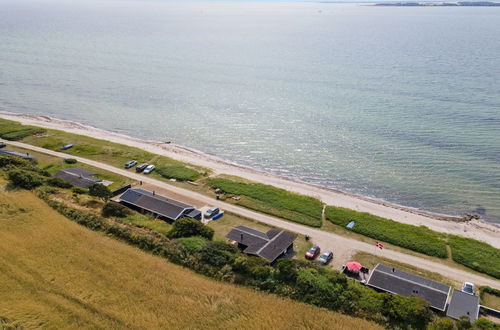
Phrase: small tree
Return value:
(406, 312)
(25, 179)
(100, 190)
(187, 227)
(115, 209)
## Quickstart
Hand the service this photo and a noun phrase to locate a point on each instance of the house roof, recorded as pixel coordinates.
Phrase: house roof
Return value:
(265, 245)
(77, 177)
(393, 280)
(157, 204)
(15, 153)
(463, 304)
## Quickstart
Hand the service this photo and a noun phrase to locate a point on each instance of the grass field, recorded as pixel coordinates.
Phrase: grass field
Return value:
(476, 255)
(420, 239)
(57, 274)
(271, 200)
(100, 150)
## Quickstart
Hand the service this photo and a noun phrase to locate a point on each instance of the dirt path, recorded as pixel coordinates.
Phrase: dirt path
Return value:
(343, 246)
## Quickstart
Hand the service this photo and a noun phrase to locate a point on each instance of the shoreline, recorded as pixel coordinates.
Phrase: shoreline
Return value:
(477, 229)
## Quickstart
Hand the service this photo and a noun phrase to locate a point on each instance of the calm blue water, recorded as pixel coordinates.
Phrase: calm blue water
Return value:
(401, 104)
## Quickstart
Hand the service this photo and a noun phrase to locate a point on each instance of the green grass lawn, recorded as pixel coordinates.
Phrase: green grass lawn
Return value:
(419, 239)
(100, 150)
(477, 255)
(145, 221)
(271, 200)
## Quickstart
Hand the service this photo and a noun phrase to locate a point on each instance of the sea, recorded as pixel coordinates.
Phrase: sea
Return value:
(401, 104)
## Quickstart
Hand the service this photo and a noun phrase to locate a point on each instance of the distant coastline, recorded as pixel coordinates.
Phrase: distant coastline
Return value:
(441, 4)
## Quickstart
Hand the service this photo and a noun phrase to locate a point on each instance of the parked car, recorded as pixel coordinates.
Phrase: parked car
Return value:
(313, 252)
(130, 163)
(2, 145)
(326, 257)
(141, 167)
(468, 287)
(149, 169)
(66, 146)
(211, 212)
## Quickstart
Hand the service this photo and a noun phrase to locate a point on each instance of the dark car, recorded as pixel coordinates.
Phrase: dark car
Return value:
(141, 167)
(66, 146)
(326, 257)
(2, 145)
(313, 252)
(130, 163)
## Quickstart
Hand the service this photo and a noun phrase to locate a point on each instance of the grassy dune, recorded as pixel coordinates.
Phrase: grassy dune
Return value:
(57, 274)
(271, 200)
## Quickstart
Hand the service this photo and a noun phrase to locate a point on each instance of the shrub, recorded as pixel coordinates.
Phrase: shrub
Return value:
(474, 254)
(100, 190)
(420, 239)
(70, 161)
(187, 227)
(178, 172)
(25, 179)
(218, 254)
(79, 190)
(114, 209)
(11, 161)
(485, 324)
(56, 182)
(192, 244)
(406, 312)
(275, 201)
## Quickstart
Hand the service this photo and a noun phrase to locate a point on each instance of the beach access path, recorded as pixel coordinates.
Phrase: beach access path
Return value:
(343, 246)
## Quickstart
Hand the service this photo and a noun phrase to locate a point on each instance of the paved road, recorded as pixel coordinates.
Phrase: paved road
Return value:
(342, 245)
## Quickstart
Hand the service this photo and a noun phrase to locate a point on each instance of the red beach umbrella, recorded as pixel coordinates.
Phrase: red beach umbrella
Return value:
(353, 266)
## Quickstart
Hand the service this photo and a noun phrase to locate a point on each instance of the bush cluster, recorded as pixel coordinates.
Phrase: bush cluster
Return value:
(187, 227)
(114, 209)
(420, 239)
(271, 200)
(100, 190)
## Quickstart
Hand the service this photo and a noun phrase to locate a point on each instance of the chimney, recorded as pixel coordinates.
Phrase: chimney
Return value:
(241, 237)
(153, 192)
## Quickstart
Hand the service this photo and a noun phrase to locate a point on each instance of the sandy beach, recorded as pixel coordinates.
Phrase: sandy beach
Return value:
(476, 229)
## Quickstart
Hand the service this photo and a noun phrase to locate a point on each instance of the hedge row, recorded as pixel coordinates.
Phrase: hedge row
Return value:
(420, 239)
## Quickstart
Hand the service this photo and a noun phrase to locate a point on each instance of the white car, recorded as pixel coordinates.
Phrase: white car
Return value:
(468, 287)
(149, 169)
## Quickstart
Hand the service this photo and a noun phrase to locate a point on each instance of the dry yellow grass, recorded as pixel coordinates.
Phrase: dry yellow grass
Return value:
(56, 274)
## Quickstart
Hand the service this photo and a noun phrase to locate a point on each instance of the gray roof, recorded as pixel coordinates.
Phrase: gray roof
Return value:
(79, 171)
(268, 245)
(397, 281)
(157, 204)
(15, 153)
(463, 304)
(78, 177)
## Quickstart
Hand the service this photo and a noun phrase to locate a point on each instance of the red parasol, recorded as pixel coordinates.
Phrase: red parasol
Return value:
(353, 266)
